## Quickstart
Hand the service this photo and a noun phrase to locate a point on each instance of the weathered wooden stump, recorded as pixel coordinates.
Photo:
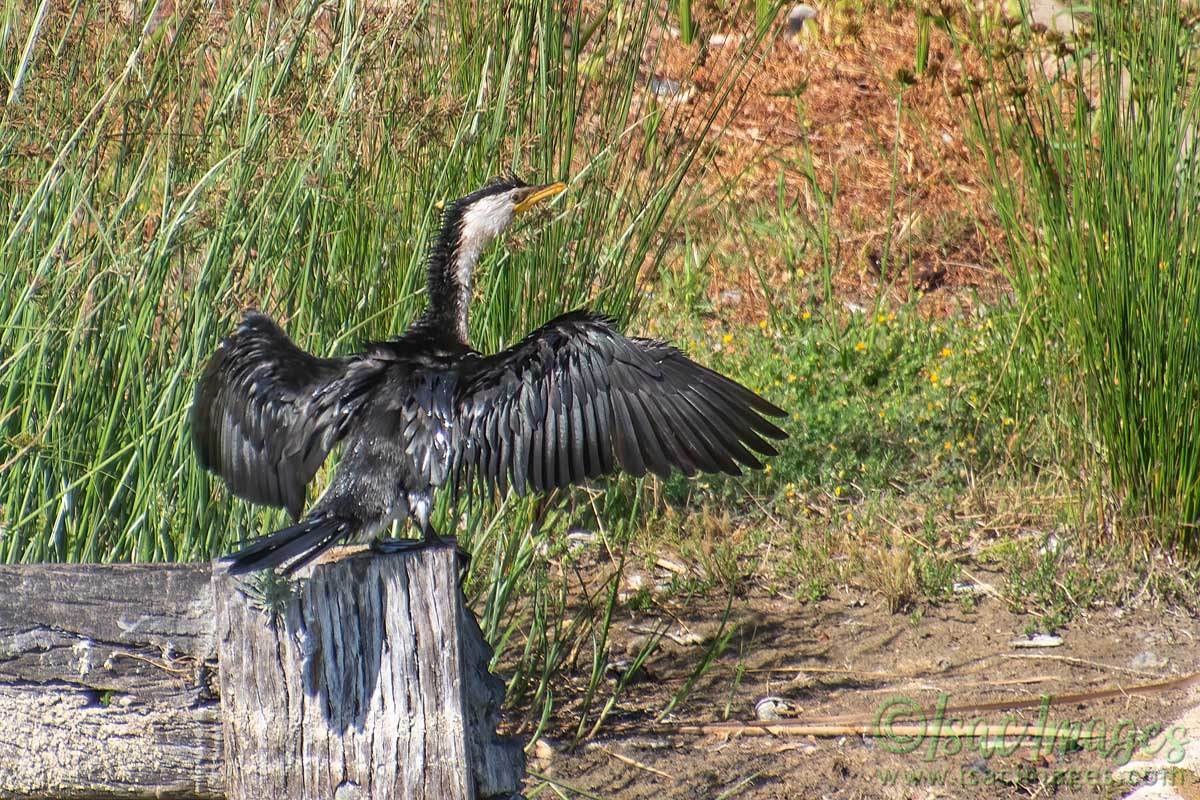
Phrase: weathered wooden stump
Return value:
(373, 683)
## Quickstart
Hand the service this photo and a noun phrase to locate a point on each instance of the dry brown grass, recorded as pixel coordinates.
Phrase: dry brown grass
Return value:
(909, 184)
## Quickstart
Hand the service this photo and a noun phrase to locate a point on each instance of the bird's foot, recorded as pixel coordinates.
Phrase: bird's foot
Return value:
(389, 547)
(393, 546)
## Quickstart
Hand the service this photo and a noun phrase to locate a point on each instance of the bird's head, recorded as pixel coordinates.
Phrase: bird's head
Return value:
(484, 214)
(469, 225)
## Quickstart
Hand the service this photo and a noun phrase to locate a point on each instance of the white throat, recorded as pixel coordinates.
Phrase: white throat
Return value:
(481, 224)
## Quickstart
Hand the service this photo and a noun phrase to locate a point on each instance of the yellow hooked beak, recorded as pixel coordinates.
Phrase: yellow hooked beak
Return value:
(538, 195)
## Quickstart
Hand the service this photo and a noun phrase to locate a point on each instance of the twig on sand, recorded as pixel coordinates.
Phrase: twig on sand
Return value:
(633, 762)
(1083, 662)
(862, 673)
(554, 783)
(733, 790)
(958, 685)
(947, 730)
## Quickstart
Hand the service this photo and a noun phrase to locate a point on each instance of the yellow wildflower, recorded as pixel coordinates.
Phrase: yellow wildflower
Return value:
(946, 352)
(860, 346)
(727, 338)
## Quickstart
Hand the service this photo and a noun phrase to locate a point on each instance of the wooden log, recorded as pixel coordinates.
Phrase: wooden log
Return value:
(109, 681)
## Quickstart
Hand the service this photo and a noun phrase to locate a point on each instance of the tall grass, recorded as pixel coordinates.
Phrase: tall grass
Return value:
(158, 177)
(687, 24)
(291, 162)
(1100, 215)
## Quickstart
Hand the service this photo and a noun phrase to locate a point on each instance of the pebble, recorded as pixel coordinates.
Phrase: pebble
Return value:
(543, 753)
(1147, 660)
(1038, 640)
(623, 669)
(799, 15)
(664, 87)
(770, 708)
(579, 538)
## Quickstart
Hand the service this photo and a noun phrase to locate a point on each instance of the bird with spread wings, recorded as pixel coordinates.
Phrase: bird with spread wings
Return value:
(573, 401)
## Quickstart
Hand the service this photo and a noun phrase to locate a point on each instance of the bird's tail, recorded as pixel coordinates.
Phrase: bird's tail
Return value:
(294, 546)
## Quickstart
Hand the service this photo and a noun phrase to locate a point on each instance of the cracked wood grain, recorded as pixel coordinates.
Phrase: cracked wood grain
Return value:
(106, 682)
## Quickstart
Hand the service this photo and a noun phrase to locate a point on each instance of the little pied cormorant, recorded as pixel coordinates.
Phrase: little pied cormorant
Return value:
(574, 400)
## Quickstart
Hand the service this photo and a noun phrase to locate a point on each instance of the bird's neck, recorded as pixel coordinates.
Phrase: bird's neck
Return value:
(451, 269)
(449, 307)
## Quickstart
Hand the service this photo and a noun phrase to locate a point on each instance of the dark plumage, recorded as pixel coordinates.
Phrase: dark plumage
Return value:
(573, 401)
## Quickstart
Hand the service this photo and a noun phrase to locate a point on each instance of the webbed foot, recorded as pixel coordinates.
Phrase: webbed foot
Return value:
(393, 546)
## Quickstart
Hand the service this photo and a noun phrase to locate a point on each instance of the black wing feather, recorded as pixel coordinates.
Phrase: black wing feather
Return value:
(575, 399)
(265, 413)
(625, 443)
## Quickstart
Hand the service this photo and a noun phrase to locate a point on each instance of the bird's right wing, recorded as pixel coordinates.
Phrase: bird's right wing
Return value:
(575, 400)
(266, 414)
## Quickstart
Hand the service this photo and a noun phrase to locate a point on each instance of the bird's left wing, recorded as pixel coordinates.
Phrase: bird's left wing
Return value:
(266, 414)
(576, 399)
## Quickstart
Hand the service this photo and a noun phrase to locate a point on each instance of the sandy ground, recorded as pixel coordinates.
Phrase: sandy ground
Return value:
(846, 661)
